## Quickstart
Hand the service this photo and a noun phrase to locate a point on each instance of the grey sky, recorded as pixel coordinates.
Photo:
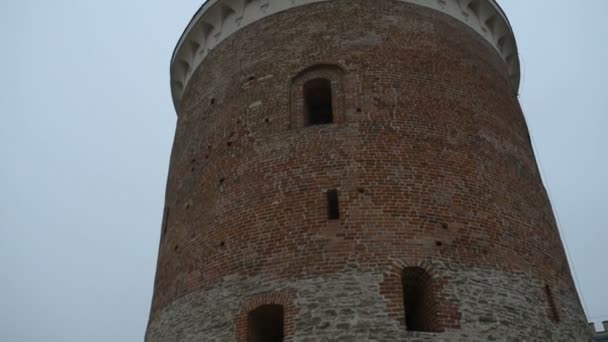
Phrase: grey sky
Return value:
(87, 128)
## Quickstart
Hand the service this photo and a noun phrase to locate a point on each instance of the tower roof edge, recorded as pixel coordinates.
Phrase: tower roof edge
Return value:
(218, 19)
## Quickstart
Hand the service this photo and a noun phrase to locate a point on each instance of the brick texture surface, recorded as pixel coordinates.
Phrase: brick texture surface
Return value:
(431, 157)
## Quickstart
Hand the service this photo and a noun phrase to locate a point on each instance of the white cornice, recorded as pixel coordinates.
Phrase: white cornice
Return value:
(218, 19)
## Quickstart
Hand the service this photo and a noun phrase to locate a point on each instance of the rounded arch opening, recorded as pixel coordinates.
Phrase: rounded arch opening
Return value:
(418, 300)
(266, 324)
(317, 96)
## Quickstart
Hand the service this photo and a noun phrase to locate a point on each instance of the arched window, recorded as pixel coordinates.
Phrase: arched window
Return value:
(418, 300)
(318, 104)
(265, 324)
(317, 96)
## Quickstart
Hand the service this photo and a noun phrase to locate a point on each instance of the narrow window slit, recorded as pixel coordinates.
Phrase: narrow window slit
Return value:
(318, 102)
(553, 313)
(165, 221)
(333, 207)
(266, 324)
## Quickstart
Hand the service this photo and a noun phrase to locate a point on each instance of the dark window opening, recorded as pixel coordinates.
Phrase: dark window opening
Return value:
(554, 314)
(333, 207)
(266, 324)
(165, 221)
(418, 300)
(318, 102)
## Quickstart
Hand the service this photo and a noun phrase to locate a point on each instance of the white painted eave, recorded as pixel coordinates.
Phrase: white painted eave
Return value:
(218, 19)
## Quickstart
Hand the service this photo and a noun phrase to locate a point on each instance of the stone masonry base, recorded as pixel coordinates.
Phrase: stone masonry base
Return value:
(494, 306)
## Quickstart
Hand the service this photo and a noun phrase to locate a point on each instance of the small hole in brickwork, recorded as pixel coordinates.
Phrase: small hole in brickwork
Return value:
(358, 110)
(222, 180)
(188, 205)
(192, 169)
(176, 248)
(251, 78)
(222, 244)
(229, 143)
(265, 324)
(212, 101)
(438, 243)
(207, 157)
(418, 300)
(193, 161)
(267, 120)
(361, 190)
(444, 225)
(333, 208)
(553, 312)
(208, 147)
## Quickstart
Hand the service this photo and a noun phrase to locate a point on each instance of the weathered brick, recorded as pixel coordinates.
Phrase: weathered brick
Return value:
(432, 162)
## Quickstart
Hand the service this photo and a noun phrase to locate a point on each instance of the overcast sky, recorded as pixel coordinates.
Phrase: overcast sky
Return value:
(87, 127)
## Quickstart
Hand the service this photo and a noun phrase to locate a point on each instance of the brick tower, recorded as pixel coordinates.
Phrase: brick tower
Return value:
(355, 170)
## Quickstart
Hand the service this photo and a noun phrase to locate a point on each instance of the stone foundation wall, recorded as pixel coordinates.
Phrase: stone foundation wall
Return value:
(349, 306)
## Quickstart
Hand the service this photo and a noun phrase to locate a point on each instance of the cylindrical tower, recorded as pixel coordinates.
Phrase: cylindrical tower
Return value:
(355, 170)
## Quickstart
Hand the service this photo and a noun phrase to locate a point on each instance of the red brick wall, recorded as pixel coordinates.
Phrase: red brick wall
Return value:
(430, 154)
